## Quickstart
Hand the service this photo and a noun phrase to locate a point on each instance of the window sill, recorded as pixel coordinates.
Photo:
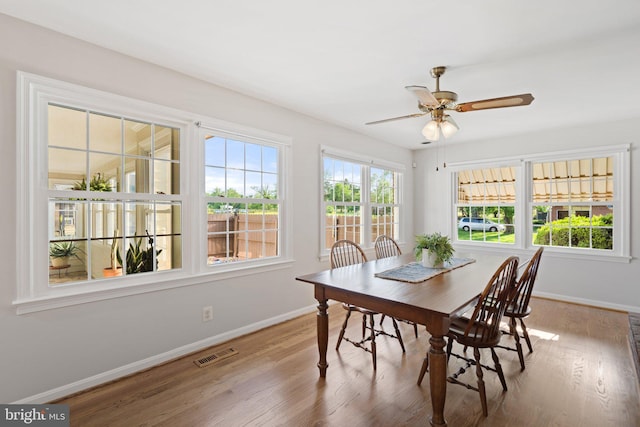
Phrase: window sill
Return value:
(510, 249)
(160, 281)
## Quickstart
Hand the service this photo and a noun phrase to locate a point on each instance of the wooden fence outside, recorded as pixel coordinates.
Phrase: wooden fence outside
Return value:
(245, 239)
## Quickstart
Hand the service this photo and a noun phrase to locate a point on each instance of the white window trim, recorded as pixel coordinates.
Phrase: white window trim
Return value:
(32, 290)
(245, 134)
(622, 186)
(347, 156)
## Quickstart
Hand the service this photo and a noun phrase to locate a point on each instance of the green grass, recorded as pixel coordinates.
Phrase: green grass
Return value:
(489, 236)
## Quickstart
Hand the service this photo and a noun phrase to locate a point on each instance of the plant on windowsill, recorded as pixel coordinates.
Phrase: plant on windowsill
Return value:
(60, 252)
(97, 183)
(140, 260)
(433, 249)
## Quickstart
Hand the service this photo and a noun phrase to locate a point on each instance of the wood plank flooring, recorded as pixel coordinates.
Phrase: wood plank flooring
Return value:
(580, 374)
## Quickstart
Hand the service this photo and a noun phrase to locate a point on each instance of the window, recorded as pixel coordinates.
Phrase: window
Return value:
(242, 197)
(485, 204)
(361, 199)
(113, 195)
(109, 192)
(573, 202)
(566, 201)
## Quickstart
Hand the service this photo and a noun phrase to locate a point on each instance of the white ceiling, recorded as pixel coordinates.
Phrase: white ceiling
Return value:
(347, 61)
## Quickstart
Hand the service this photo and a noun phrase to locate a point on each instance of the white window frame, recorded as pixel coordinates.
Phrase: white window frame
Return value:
(32, 290)
(245, 134)
(524, 203)
(365, 187)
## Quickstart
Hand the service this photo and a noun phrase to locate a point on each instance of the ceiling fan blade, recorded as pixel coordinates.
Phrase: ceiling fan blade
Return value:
(396, 118)
(506, 101)
(424, 95)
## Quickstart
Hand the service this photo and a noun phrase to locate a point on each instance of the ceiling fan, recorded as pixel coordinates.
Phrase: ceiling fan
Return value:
(437, 103)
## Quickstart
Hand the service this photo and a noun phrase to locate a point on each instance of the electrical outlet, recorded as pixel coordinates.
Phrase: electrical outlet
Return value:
(207, 313)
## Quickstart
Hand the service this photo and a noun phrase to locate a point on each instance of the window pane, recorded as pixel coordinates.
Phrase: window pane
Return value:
(235, 154)
(214, 181)
(485, 210)
(235, 183)
(67, 262)
(105, 133)
(67, 169)
(137, 138)
(214, 151)
(166, 143)
(67, 219)
(137, 175)
(166, 177)
(67, 127)
(270, 160)
(104, 172)
(253, 155)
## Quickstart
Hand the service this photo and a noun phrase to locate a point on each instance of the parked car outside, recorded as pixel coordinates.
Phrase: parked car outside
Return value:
(482, 224)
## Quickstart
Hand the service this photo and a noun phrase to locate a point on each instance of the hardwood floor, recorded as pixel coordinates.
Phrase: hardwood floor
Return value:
(580, 374)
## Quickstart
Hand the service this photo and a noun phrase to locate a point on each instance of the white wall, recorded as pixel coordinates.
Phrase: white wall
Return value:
(51, 353)
(601, 283)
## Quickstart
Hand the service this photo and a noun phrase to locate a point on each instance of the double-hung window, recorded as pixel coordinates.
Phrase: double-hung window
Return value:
(114, 199)
(361, 199)
(243, 197)
(485, 204)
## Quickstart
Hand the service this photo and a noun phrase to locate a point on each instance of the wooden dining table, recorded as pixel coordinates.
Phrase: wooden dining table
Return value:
(432, 303)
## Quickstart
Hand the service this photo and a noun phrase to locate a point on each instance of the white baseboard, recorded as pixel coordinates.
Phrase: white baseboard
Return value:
(584, 301)
(141, 365)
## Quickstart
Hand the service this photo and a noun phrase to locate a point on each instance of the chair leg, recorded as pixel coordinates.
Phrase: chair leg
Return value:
(424, 369)
(526, 336)
(398, 335)
(415, 329)
(382, 319)
(344, 326)
(364, 326)
(449, 346)
(373, 342)
(481, 389)
(498, 366)
(516, 336)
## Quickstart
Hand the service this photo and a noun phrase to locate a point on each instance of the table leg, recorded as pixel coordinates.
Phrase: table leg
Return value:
(323, 336)
(437, 379)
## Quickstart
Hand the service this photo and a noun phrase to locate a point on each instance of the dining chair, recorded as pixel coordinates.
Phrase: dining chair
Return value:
(386, 247)
(344, 253)
(519, 308)
(482, 330)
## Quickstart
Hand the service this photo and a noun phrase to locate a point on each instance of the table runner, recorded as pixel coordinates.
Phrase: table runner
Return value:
(415, 272)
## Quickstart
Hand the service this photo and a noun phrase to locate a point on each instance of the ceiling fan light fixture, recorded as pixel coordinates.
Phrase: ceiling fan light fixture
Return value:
(431, 131)
(448, 126)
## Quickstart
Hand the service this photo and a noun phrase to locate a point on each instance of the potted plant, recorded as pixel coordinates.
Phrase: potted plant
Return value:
(97, 183)
(433, 249)
(115, 268)
(140, 260)
(60, 252)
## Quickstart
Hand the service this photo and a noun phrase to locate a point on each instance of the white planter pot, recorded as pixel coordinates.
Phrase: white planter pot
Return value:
(428, 260)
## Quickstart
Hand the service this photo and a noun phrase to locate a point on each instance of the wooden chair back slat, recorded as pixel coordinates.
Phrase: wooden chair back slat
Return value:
(484, 323)
(346, 252)
(386, 247)
(524, 285)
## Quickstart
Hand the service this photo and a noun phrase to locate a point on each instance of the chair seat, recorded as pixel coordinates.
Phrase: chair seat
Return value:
(475, 337)
(512, 312)
(350, 307)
